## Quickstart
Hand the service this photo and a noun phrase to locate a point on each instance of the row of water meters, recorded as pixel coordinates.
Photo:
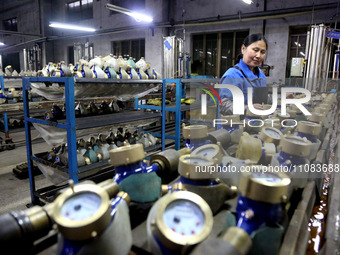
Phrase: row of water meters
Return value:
(187, 187)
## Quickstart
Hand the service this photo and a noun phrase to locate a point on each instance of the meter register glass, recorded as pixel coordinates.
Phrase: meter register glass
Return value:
(184, 218)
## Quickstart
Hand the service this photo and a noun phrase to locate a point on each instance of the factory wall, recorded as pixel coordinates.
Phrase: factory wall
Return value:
(122, 27)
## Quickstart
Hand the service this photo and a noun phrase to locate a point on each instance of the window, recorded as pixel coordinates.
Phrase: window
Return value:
(134, 5)
(10, 24)
(79, 10)
(297, 45)
(214, 53)
(129, 48)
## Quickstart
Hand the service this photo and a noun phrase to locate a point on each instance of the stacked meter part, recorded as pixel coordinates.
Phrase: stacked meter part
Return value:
(255, 149)
(199, 175)
(142, 181)
(195, 136)
(311, 131)
(293, 157)
(233, 125)
(133, 175)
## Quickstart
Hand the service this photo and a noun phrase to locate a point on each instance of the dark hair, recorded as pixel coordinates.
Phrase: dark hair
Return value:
(249, 40)
(254, 38)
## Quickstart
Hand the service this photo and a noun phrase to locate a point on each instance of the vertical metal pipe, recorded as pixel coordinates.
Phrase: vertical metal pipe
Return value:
(35, 56)
(325, 59)
(170, 57)
(39, 66)
(322, 57)
(329, 45)
(312, 58)
(25, 60)
(316, 55)
(305, 71)
(180, 57)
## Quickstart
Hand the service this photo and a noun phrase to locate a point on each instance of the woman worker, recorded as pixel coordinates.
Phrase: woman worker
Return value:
(247, 74)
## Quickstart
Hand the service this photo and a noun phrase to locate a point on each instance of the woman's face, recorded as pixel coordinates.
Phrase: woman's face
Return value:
(254, 54)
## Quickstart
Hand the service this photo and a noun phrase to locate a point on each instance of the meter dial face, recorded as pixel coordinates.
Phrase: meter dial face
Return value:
(272, 133)
(196, 160)
(297, 141)
(208, 151)
(268, 177)
(81, 206)
(184, 218)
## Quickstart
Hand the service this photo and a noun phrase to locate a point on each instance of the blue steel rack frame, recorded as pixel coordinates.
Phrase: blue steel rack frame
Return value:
(4, 114)
(180, 93)
(70, 125)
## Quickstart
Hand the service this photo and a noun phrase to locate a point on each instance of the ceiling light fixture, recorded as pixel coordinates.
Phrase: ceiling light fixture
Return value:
(71, 27)
(136, 15)
(248, 1)
(2, 44)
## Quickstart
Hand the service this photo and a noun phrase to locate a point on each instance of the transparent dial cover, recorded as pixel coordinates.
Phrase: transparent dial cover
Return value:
(184, 217)
(81, 206)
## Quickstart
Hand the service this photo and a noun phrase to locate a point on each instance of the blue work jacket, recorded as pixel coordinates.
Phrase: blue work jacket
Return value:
(235, 77)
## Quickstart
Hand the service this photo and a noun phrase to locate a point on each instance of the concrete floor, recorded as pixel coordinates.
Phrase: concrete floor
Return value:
(15, 193)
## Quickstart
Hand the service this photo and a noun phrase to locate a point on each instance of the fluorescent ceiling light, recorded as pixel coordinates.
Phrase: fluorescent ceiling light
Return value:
(301, 53)
(140, 17)
(247, 1)
(2, 44)
(136, 15)
(71, 27)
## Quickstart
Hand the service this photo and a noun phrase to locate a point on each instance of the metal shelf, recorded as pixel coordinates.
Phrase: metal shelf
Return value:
(100, 120)
(71, 124)
(42, 158)
(177, 108)
(114, 81)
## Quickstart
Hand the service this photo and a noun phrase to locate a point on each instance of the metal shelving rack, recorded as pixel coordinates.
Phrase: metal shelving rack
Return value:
(2, 83)
(71, 124)
(4, 114)
(177, 108)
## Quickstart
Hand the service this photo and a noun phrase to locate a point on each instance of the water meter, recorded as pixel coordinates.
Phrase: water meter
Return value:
(82, 212)
(133, 175)
(316, 117)
(211, 151)
(262, 192)
(195, 136)
(178, 221)
(294, 151)
(85, 217)
(270, 135)
(309, 129)
(198, 174)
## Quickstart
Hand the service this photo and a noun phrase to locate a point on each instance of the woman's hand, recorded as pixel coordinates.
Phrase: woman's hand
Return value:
(289, 95)
(258, 106)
